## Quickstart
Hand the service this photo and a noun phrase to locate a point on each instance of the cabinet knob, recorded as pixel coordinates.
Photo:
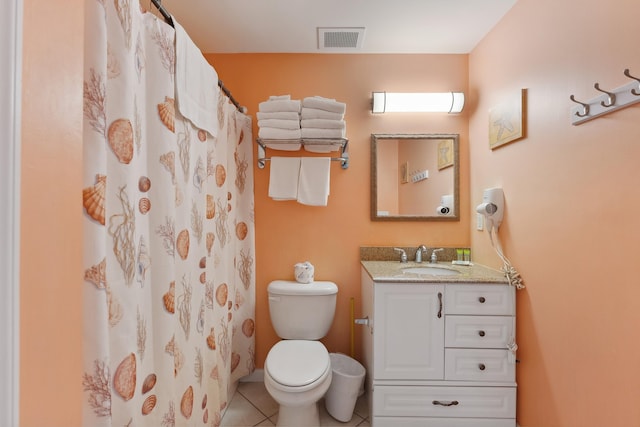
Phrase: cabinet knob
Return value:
(481, 333)
(482, 367)
(482, 300)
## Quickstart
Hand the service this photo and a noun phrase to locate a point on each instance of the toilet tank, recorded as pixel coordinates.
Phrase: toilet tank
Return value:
(302, 311)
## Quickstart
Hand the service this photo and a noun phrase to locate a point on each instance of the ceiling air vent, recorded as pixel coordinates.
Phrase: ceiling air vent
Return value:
(340, 38)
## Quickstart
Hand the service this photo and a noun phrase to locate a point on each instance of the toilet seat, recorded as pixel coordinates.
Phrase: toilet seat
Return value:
(297, 363)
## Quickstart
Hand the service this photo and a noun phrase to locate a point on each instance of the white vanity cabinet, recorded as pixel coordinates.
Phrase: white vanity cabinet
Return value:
(437, 354)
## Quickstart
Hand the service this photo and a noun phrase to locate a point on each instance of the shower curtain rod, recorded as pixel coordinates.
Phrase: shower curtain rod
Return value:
(167, 17)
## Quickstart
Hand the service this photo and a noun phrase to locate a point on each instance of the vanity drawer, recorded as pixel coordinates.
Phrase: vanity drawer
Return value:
(442, 422)
(479, 331)
(445, 402)
(479, 299)
(478, 365)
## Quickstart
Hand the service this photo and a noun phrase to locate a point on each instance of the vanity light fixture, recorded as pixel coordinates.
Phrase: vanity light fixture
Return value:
(447, 102)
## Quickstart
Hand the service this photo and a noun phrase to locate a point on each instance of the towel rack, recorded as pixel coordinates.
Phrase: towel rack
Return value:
(343, 142)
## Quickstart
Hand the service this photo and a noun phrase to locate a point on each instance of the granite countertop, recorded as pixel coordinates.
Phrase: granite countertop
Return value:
(391, 271)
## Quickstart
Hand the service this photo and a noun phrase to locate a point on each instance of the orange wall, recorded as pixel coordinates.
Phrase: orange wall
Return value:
(330, 237)
(572, 201)
(578, 317)
(51, 246)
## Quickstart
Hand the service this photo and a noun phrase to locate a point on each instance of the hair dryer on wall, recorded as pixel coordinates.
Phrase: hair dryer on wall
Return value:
(446, 206)
(492, 207)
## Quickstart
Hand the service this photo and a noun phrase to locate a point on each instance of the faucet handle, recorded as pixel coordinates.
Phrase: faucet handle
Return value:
(403, 254)
(434, 255)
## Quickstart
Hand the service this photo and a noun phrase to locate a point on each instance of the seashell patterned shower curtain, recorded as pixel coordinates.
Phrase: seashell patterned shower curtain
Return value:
(169, 277)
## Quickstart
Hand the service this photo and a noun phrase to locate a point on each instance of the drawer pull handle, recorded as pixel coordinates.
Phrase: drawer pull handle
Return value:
(439, 305)
(481, 333)
(482, 367)
(452, 403)
(482, 300)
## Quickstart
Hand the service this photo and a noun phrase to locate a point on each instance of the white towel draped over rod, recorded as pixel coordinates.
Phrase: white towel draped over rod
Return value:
(167, 17)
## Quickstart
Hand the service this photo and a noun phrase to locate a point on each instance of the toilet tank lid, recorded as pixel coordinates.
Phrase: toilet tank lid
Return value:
(290, 287)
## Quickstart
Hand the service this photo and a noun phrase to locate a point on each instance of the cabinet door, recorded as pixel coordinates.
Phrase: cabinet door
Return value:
(408, 335)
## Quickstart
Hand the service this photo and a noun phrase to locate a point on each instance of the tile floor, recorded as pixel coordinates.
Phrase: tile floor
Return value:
(252, 406)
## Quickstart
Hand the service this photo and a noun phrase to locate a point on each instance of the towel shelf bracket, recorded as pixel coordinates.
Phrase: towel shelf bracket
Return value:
(263, 144)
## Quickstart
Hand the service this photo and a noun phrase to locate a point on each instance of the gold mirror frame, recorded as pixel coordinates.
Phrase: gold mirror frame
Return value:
(376, 138)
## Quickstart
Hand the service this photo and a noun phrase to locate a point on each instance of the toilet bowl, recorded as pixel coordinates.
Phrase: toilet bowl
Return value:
(297, 370)
(297, 374)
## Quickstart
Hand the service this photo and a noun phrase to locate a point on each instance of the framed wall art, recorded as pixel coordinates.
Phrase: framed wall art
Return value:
(404, 173)
(507, 120)
(445, 153)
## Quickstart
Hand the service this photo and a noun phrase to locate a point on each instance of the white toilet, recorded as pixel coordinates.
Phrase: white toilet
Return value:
(297, 371)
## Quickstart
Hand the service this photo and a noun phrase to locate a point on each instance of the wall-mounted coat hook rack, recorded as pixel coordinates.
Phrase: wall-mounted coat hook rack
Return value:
(585, 107)
(634, 90)
(606, 103)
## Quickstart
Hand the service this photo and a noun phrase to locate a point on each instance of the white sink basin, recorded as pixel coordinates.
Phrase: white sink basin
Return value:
(431, 270)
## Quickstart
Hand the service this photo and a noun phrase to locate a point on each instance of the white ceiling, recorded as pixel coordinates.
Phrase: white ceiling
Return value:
(290, 26)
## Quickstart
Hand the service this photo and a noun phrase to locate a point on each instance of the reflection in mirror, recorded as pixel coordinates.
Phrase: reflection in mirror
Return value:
(415, 177)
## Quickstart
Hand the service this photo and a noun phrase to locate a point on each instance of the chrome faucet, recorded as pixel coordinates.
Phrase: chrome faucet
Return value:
(434, 256)
(419, 251)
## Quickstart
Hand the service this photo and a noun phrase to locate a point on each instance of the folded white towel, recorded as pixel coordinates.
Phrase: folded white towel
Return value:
(314, 113)
(321, 148)
(283, 146)
(196, 89)
(314, 181)
(324, 104)
(284, 115)
(275, 133)
(322, 133)
(279, 105)
(283, 178)
(279, 124)
(279, 97)
(322, 123)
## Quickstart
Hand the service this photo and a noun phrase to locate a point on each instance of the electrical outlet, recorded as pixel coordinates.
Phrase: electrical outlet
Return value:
(479, 222)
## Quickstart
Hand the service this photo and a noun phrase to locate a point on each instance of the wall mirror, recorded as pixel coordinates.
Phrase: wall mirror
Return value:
(415, 177)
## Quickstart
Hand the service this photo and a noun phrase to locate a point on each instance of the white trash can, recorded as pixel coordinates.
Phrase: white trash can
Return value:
(346, 383)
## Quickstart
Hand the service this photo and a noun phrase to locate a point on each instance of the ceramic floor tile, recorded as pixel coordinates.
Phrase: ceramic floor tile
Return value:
(362, 406)
(326, 420)
(256, 393)
(241, 413)
(266, 423)
(252, 405)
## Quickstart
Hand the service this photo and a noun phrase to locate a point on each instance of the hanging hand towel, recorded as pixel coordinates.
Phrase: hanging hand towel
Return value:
(283, 178)
(314, 181)
(196, 84)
